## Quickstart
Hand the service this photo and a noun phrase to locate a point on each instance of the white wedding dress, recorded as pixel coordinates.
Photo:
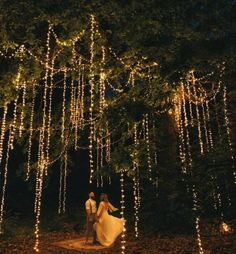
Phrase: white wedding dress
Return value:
(108, 228)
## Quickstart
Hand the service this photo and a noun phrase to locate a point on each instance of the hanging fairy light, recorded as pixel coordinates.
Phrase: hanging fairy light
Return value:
(101, 152)
(101, 181)
(198, 123)
(190, 104)
(217, 120)
(81, 120)
(3, 130)
(108, 146)
(136, 205)
(199, 241)
(122, 212)
(63, 107)
(228, 131)
(148, 146)
(91, 83)
(76, 97)
(186, 128)
(5, 175)
(47, 68)
(37, 171)
(197, 221)
(102, 101)
(60, 196)
(209, 125)
(50, 111)
(214, 195)
(219, 201)
(11, 138)
(182, 149)
(136, 192)
(77, 115)
(21, 127)
(144, 128)
(72, 103)
(97, 151)
(154, 138)
(64, 182)
(42, 159)
(30, 134)
(41, 169)
(205, 127)
(156, 180)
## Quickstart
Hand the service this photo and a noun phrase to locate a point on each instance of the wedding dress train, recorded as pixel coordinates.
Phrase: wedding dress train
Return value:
(108, 228)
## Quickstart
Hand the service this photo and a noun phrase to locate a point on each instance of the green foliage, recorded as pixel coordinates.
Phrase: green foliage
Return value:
(178, 36)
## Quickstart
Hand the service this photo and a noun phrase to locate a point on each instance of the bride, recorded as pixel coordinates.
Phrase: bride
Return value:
(107, 227)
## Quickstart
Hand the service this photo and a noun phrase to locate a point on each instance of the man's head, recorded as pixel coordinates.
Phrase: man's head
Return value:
(91, 195)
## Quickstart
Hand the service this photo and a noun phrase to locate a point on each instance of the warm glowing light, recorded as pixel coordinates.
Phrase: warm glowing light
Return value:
(122, 202)
(63, 107)
(31, 133)
(148, 146)
(10, 142)
(198, 123)
(197, 221)
(228, 131)
(186, 124)
(3, 130)
(91, 83)
(21, 127)
(225, 228)
(136, 191)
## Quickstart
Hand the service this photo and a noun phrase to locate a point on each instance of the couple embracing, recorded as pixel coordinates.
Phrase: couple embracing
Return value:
(105, 227)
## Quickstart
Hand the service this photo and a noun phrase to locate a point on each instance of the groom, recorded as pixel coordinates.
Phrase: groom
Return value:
(91, 216)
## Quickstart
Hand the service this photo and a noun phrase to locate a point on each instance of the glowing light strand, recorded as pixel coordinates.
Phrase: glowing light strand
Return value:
(49, 112)
(41, 168)
(81, 122)
(228, 131)
(209, 125)
(37, 171)
(101, 153)
(148, 147)
(21, 127)
(108, 146)
(91, 83)
(182, 149)
(72, 103)
(42, 160)
(64, 182)
(198, 125)
(63, 107)
(77, 116)
(60, 195)
(9, 148)
(122, 202)
(190, 104)
(102, 101)
(197, 222)
(207, 139)
(97, 150)
(3, 130)
(186, 124)
(136, 191)
(217, 120)
(30, 133)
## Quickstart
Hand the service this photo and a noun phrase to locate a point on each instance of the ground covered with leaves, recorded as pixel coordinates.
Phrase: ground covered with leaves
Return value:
(147, 243)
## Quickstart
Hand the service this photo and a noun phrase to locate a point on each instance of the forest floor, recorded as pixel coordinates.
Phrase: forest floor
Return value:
(145, 244)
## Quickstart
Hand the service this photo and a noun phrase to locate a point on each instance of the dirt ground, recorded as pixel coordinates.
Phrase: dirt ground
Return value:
(145, 244)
